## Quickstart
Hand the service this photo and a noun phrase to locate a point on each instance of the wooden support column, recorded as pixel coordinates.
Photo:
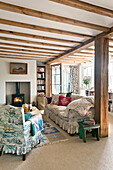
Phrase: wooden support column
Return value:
(101, 84)
(48, 79)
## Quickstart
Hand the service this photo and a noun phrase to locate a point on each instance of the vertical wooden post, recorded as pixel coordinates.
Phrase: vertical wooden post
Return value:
(101, 84)
(61, 78)
(48, 79)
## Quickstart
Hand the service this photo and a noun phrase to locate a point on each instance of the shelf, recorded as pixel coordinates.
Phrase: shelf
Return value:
(41, 72)
(41, 78)
(40, 84)
(40, 90)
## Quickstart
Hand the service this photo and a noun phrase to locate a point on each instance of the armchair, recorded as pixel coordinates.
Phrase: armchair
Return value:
(15, 133)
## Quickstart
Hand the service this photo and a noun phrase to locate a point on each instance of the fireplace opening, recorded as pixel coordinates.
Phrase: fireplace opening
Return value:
(17, 99)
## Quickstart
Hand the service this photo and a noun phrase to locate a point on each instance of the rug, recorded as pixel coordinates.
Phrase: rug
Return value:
(50, 134)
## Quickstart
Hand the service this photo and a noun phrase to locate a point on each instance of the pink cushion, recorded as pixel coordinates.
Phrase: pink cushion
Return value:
(64, 101)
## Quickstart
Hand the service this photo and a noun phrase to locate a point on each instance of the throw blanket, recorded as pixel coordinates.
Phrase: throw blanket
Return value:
(81, 106)
(36, 124)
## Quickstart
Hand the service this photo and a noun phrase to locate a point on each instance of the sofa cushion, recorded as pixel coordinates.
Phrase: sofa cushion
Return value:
(55, 109)
(55, 98)
(63, 114)
(89, 99)
(75, 97)
(68, 94)
(49, 99)
(64, 101)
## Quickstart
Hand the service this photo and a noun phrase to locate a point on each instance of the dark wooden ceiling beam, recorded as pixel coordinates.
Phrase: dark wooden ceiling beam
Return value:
(31, 47)
(87, 7)
(83, 46)
(70, 52)
(45, 29)
(34, 42)
(51, 17)
(37, 37)
(24, 50)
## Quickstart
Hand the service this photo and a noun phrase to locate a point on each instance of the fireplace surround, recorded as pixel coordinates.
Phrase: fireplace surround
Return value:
(17, 92)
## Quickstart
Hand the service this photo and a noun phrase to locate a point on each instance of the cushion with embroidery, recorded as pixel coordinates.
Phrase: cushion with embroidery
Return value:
(55, 98)
(64, 101)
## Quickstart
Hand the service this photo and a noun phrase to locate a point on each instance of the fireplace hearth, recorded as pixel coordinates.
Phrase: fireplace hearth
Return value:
(17, 99)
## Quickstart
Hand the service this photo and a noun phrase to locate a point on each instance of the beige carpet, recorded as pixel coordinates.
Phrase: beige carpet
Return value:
(70, 155)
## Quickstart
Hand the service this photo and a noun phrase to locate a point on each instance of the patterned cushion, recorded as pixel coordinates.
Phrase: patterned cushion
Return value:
(76, 97)
(68, 94)
(55, 98)
(49, 99)
(81, 106)
(89, 99)
(64, 101)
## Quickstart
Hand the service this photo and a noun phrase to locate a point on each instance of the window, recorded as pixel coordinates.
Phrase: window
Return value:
(88, 72)
(56, 81)
(65, 78)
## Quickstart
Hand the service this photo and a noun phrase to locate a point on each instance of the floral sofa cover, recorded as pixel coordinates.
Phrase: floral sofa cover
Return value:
(67, 117)
(15, 133)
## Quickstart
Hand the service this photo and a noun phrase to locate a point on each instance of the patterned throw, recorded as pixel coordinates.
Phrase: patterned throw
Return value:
(51, 135)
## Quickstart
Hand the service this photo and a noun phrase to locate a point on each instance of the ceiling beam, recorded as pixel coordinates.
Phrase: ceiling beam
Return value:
(36, 54)
(84, 45)
(34, 42)
(81, 57)
(24, 50)
(68, 62)
(38, 37)
(45, 29)
(23, 58)
(71, 51)
(87, 7)
(51, 17)
(111, 40)
(31, 47)
(83, 53)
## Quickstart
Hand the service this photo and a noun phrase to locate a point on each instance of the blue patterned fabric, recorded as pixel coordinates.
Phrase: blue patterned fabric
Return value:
(28, 116)
(15, 133)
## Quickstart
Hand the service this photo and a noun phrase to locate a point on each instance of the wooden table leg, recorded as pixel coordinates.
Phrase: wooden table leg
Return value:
(93, 132)
(24, 157)
(1, 151)
(84, 135)
(80, 132)
(98, 134)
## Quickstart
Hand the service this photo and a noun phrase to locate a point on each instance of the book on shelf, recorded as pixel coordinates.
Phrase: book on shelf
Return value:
(40, 69)
(40, 75)
(41, 88)
(40, 81)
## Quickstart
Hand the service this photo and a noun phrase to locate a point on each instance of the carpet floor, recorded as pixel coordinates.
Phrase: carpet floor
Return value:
(72, 154)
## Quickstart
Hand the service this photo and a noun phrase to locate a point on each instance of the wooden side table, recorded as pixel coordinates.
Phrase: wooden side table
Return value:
(84, 127)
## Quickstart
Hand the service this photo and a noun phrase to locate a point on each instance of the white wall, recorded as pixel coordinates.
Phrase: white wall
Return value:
(5, 76)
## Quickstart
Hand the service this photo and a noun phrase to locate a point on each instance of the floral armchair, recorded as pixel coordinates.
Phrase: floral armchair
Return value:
(15, 133)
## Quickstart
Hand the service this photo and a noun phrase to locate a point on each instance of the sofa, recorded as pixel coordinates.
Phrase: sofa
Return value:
(67, 116)
(18, 136)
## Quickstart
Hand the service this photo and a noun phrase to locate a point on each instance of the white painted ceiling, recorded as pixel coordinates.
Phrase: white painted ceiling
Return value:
(57, 9)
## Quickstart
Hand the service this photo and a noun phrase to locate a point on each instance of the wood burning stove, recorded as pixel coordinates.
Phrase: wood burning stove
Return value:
(17, 99)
